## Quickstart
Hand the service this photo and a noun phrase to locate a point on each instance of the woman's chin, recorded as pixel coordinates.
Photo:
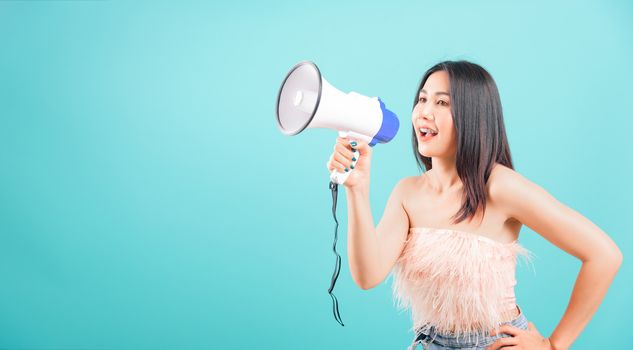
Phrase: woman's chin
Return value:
(424, 151)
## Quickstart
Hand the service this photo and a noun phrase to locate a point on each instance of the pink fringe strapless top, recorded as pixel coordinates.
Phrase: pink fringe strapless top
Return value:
(456, 281)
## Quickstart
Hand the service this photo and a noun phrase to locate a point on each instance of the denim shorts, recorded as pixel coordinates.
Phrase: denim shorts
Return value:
(432, 340)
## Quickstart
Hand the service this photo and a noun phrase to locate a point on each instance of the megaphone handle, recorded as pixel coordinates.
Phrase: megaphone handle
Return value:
(338, 177)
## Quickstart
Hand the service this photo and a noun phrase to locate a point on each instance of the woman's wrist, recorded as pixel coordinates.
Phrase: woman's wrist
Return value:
(361, 187)
(555, 346)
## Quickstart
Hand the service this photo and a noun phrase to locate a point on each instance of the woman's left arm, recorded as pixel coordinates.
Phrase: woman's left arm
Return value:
(571, 232)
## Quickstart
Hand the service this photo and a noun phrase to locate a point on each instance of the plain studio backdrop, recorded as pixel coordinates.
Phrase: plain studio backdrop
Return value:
(149, 201)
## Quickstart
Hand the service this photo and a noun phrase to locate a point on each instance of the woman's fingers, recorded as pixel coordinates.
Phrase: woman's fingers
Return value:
(345, 157)
(347, 162)
(361, 146)
(344, 149)
(339, 162)
(335, 164)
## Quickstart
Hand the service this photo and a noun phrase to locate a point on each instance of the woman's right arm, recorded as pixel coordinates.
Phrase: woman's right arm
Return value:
(372, 251)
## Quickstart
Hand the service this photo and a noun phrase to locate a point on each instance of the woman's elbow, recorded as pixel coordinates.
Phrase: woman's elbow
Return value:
(614, 256)
(608, 255)
(617, 257)
(611, 259)
(364, 283)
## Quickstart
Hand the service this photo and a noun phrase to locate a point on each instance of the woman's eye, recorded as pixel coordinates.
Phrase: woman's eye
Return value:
(422, 99)
(442, 103)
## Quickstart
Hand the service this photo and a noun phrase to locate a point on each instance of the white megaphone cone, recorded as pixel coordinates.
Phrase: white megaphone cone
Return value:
(307, 100)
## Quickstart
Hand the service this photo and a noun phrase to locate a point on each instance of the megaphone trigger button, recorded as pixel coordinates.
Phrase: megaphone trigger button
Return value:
(354, 144)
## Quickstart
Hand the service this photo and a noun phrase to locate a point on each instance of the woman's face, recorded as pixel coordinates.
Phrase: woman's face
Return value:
(433, 110)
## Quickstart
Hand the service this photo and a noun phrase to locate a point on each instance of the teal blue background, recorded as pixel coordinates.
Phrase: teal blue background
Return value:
(148, 200)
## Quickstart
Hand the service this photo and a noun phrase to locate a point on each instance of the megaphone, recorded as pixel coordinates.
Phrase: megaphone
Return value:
(307, 100)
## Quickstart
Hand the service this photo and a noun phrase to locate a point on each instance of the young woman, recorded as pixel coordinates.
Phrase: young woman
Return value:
(450, 235)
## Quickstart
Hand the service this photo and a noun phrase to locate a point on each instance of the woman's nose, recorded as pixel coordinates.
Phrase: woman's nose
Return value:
(427, 116)
(426, 112)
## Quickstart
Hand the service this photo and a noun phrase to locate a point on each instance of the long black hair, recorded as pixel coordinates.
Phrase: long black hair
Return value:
(481, 135)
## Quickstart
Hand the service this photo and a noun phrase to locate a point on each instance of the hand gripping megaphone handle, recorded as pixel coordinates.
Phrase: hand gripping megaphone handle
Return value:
(338, 177)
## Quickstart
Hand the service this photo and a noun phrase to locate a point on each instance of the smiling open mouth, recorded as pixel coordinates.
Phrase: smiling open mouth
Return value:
(427, 134)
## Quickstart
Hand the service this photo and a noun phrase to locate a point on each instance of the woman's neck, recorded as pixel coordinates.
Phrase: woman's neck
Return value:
(444, 176)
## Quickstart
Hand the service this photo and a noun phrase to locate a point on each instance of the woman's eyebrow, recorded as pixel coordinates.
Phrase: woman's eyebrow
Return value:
(437, 93)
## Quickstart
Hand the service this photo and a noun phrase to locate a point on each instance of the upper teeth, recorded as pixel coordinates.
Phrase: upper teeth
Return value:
(426, 131)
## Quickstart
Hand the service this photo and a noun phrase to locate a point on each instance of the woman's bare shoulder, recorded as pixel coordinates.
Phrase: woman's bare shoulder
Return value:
(503, 172)
(503, 181)
(404, 186)
(411, 183)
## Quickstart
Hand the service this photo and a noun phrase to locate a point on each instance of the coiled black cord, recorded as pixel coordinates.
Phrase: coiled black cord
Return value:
(337, 268)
